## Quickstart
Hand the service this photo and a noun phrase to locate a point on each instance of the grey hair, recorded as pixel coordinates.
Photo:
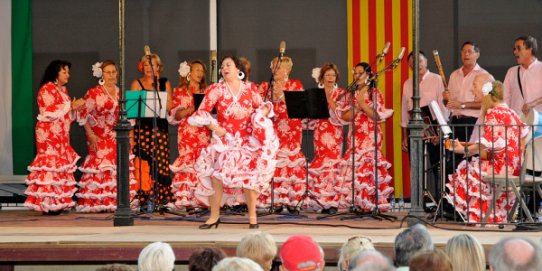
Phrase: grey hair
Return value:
(351, 248)
(156, 256)
(410, 241)
(237, 264)
(371, 258)
(500, 260)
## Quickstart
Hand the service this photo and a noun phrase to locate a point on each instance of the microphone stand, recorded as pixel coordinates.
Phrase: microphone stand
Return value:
(269, 96)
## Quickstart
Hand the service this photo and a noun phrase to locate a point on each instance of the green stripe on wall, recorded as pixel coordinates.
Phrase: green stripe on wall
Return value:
(21, 66)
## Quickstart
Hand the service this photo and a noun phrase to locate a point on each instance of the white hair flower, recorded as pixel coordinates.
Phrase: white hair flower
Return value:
(184, 69)
(316, 74)
(487, 87)
(97, 70)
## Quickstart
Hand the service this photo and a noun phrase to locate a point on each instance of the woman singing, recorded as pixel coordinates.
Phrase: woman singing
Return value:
(191, 139)
(151, 139)
(290, 174)
(328, 142)
(98, 185)
(365, 146)
(241, 155)
(499, 154)
(51, 183)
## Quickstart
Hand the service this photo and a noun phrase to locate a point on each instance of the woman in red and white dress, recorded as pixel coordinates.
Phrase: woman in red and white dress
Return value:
(241, 155)
(499, 154)
(51, 183)
(191, 139)
(290, 174)
(98, 184)
(364, 148)
(328, 142)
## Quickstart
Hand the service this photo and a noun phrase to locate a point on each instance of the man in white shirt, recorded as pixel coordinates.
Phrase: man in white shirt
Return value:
(459, 98)
(523, 83)
(431, 89)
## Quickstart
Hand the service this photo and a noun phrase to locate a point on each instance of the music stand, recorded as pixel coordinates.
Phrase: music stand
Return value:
(146, 104)
(308, 104)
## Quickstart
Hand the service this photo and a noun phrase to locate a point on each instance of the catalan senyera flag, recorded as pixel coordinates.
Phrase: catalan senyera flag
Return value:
(372, 23)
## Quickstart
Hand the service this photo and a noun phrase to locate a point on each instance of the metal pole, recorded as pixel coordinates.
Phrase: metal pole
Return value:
(122, 214)
(416, 126)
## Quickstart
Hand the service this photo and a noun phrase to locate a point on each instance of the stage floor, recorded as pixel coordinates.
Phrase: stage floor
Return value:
(28, 237)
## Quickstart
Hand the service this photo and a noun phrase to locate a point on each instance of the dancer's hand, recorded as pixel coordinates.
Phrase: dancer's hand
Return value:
(77, 104)
(93, 140)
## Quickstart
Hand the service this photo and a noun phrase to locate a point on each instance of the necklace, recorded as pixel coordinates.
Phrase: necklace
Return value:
(235, 97)
(108, 94)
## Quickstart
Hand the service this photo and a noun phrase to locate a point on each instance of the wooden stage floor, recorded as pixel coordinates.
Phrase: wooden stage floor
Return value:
(28, 237)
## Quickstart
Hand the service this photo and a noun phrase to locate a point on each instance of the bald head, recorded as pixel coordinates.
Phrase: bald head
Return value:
(516, 254)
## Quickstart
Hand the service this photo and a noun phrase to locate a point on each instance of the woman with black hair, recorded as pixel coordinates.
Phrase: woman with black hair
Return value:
(364, 116)
(51, 183)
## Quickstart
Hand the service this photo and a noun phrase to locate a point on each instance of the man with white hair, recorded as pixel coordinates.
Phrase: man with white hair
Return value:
(515, 254)
(409, 242)
(370, 260)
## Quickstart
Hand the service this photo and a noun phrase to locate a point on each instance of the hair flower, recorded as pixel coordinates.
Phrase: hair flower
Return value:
(97, 70)
(316, 74)
(487, 87)
(184, 69)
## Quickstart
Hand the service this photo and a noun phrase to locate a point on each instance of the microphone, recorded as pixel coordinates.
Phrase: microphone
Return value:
(147, 50)
(384, 51)
(399, 57)
(282, 49)
(213, 66)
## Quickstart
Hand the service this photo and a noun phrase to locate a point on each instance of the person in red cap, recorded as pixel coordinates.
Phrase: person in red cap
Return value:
(301, 253)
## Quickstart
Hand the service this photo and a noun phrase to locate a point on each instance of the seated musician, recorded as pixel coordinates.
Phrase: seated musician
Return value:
(499, 150)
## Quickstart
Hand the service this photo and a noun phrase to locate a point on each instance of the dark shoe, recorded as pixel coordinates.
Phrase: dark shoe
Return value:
(325, 211)
(292, 210)
(52, 213)
(208, 226)
(253, 226)
(278, 210)
(332, 210)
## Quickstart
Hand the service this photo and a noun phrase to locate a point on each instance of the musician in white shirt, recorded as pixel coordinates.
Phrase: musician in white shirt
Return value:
(523, 83)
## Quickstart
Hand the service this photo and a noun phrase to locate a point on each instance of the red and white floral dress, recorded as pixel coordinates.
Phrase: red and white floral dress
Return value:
(190, 141)
(364, 162)
(98, 184)
(244, 158)
(502, 140)
(290, 174)
(328, 144)
(51, 183)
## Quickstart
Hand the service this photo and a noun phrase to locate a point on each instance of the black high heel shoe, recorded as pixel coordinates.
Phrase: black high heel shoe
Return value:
(208, 226)
(253, 226)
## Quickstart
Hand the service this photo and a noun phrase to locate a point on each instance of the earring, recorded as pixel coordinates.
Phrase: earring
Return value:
(286, 78)
(320, 85)
(335, 85)
(188, 77)
(56, 82)
(101, 81)
(241, 75)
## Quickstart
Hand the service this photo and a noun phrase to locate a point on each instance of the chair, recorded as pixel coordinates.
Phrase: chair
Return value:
(531, 162)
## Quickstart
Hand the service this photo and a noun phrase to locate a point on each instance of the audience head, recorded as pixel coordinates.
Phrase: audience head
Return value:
(370, 260)
(156, 256)
(351, 248)
(58, 72)
(259, 247)
(205, 259)
(301, 253)
(410, 241)
(470, 52)
(434, 260)
(115, 267)
(237, 264)
(466, 253)
(515, 254)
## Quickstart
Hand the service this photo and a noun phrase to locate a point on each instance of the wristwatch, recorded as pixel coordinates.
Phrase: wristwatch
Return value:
(463, 106)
